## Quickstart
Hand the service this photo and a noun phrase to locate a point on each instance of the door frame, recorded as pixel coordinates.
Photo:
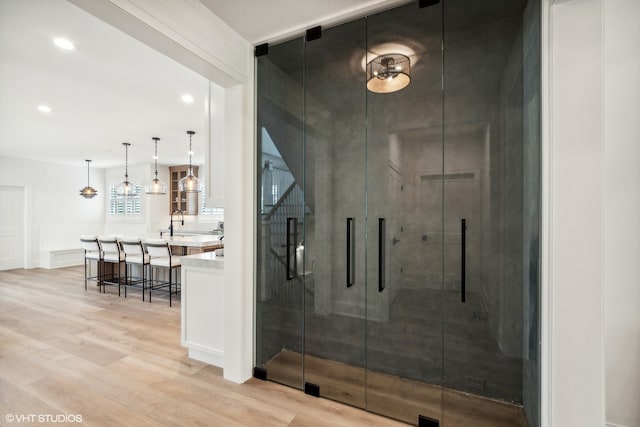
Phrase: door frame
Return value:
(26, 223)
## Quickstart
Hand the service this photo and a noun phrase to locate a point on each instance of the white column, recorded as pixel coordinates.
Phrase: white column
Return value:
(576, 214)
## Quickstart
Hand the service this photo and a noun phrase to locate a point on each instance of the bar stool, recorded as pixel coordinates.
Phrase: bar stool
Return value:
(160, 257)
(111, 254)
(134, 255)
(92, 252)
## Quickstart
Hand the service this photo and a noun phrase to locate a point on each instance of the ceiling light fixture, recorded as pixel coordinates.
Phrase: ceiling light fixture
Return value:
(190, 183)
(44, 108)
(126, 188)
(155, 186)
(187, 99)
(388, 73)
(63, 44)
(88, 192)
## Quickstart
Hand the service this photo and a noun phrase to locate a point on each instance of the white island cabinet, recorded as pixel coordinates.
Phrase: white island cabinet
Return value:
(203, 307)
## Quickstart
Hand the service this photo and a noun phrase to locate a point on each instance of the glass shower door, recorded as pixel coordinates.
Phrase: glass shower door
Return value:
(404, 221)
(334, 157)
(280, 279)
(491, 184)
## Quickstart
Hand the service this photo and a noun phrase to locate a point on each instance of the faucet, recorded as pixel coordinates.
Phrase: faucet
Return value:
(171, 223)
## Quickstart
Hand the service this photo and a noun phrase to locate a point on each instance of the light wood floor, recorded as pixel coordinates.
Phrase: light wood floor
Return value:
(117, 361)
(400, 398)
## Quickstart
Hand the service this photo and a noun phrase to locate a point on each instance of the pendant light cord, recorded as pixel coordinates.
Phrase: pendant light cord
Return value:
(190, 151)
(156, 156)
(190, 133)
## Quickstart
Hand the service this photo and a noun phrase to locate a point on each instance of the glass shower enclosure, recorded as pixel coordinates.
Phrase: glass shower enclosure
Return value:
(397, 261)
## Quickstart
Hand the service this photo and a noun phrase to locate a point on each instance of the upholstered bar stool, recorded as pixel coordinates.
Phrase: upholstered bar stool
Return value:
(92, 252)
(111, 254)
(160, 257)
(134, 256)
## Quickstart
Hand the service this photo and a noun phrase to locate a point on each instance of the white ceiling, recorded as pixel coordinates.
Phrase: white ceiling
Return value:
(113, 88)
(274, 20)
(110, 89)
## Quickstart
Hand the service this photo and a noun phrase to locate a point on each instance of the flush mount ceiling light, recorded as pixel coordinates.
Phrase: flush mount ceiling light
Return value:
(88, 192)
(63, 44)
(388, 73)
(44, 108)
(187, 99)
(126, 188)
(190, 183)
(155, 186)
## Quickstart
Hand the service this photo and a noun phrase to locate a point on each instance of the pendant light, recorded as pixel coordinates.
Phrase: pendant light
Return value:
(155, 186)
(88, 192)
(190, 183)
(388, 73)
(126, 188)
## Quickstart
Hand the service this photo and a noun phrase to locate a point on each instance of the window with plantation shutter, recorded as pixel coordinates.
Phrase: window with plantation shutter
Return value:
(124, 206)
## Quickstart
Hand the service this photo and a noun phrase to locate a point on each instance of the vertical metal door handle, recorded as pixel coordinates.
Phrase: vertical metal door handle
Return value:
(381, 254)
(289, 221)
(463, 259)
(350, 252)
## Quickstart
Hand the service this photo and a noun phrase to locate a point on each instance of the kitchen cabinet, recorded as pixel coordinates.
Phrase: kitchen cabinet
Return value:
(186, 202)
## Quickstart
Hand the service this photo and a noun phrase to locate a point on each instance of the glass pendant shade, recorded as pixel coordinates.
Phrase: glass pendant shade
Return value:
(156, 186)
(126, 188)
(88, 192)
(190, 183)
(388, 73)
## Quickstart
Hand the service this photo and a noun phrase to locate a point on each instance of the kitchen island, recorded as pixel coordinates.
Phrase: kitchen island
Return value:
(202, 307)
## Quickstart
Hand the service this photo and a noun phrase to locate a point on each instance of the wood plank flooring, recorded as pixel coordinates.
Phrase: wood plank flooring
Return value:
(397, 397)
(117, 361)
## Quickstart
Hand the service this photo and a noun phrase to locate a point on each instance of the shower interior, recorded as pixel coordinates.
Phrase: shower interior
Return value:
(398, 172)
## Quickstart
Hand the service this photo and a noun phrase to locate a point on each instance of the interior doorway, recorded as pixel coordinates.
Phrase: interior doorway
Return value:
(11, 227)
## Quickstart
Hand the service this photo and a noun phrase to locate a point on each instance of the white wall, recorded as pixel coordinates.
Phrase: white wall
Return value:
(134, 226)
(55, 215)
(576, 214)
(595, 213)
(622, 210)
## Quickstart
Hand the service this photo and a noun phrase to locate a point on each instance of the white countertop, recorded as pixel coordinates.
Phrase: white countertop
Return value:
(207, 259)
(196, 241)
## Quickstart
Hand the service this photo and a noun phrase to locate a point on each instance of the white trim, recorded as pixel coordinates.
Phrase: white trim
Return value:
(28, 227)
(603, 338)
(207, 355)
(546, 191)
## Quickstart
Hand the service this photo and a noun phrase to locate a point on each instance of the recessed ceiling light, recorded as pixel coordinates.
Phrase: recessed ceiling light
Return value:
(64, 44)
(44, 108)
(187, 98)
